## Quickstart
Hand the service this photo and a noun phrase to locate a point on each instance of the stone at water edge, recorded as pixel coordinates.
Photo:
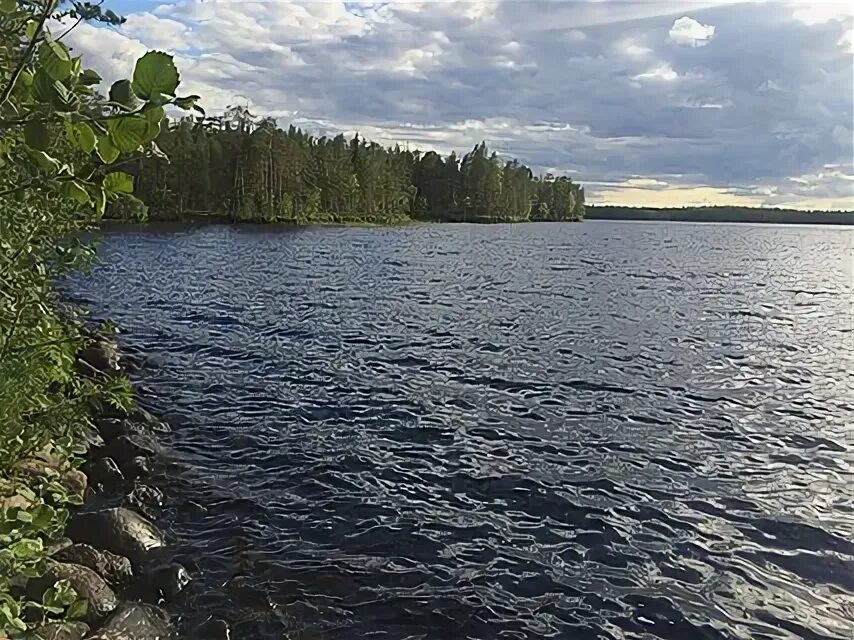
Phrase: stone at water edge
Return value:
(89, 586)
(134, 621)
(113, 568)
(137, 468)
(104, 472)
(52, 548)
(125, 448)
(99, 355)
(146, 499)
(62, 631)
(166, 582)
(152, 422)
(120, 530)
(214, 629)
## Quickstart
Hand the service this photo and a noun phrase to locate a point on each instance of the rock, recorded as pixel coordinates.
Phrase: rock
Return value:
(101, 355)
(134, 621)
(49, 466)
(57, 545)
(166, 582)
(16, 501)
(75, 481)
(214, 629)
(146, 499)
(88, 585)
(113, 428)
(104, 472)
(113, 568)
(62, 631)
(137, 468)
(153, 423)
(119, 530)
(111, 424)
(125, 448)
(146, 495)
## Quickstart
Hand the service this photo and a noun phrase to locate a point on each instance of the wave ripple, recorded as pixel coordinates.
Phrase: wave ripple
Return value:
(606, 430)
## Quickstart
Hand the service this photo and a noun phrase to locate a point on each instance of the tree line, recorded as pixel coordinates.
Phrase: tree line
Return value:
(250, 170)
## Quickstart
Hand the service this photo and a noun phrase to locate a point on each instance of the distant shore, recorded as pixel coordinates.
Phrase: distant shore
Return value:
(720, 214)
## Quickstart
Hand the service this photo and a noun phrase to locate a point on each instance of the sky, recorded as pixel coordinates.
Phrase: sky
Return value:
(656, 103)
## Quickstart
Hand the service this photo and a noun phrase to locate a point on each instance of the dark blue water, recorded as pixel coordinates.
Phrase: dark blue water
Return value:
(605, 430)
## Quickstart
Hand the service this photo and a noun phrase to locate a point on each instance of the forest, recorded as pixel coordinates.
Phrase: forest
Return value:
(720, 214)
(246, 169)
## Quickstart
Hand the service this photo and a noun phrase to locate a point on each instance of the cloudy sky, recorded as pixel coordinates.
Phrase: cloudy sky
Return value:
(657, 102)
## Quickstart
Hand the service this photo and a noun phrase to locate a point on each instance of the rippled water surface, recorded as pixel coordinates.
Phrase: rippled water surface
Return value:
(604, 430)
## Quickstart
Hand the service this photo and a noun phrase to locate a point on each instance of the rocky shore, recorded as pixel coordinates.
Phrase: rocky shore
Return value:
(109, 550)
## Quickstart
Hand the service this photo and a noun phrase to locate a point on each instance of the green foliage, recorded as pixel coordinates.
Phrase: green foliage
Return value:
(155, 73)
(60, 144)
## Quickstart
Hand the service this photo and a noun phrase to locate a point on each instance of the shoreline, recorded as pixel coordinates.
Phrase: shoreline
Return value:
(110, 551)
(721, 215)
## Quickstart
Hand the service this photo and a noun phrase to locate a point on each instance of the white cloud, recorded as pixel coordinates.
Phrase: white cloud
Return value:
(812, 13)
(847, 41)
(689, 32)
(633, 49)
(664, 72)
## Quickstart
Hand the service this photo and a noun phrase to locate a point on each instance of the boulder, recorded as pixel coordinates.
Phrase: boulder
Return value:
(153, 423)
(62, 631)
(100, 355)
(164, 583)
(52, 548)
(120, 530)
(111, 424)
(48, 466)
(16, 501)
(125, 448)
(89, 586)
(104, 472)
(134, 621)
(113, 568)
(146, 495)
(137, 468)
(112, 428)
(214, 629)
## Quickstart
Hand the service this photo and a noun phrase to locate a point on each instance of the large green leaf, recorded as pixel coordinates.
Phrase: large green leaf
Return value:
(100, 198)
(118, 182)
(189, 102)
(63, 99)
(154, 114)
(107, 150)
(43, 90)
(37, 135)
(55, 60)
(128, 133)
(44, 161)
(122, 92)
(8, 6)
(155, 73)
(72, 189)
(80, 135)
(89, 77)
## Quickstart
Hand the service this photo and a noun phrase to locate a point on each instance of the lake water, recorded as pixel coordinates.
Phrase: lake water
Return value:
(598, 430)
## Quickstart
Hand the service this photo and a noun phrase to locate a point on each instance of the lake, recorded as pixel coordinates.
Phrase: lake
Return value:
(597, 430)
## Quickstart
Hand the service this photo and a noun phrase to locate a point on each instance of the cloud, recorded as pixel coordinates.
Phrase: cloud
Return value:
(687, 31)
(604, 92)
(664, 72)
